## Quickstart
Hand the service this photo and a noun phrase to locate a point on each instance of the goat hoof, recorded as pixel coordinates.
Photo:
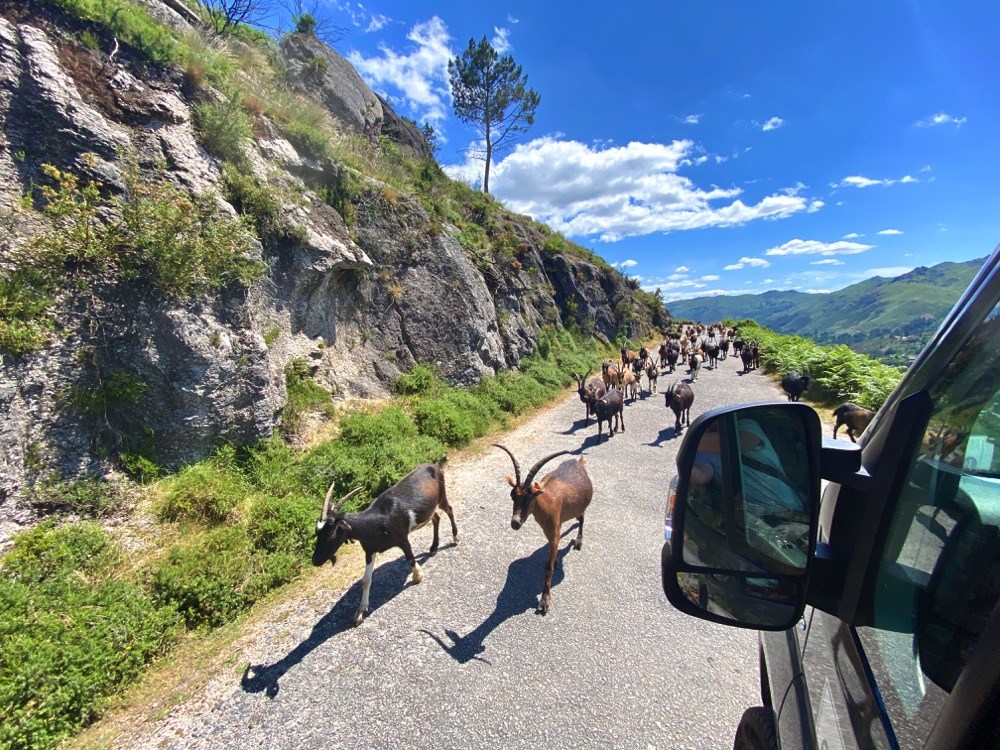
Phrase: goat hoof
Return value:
(418, 574)
(359, 617)
(543, 608)
(455, 539)
(578, 544)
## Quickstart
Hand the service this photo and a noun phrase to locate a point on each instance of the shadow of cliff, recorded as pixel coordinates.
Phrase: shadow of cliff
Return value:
(388, 580)
(520, 593)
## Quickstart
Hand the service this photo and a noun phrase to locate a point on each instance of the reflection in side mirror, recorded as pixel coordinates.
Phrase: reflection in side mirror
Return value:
(745, 515)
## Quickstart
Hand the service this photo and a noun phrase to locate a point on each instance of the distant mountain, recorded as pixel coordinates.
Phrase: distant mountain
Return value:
(889, 319)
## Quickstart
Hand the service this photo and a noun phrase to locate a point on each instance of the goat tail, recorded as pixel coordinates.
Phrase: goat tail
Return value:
(442, 462)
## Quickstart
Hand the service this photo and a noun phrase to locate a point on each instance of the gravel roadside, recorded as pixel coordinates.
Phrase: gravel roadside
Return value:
(462, 660)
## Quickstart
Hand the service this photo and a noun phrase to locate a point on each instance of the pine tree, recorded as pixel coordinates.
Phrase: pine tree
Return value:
(490, 93)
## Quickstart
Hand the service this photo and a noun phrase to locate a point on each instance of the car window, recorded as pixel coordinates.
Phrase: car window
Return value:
(939, 575)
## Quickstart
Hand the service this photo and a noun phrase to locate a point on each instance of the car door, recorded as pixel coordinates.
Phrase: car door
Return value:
(920, 671)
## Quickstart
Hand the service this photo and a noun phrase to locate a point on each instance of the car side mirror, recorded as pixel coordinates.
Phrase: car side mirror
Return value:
(741, 532)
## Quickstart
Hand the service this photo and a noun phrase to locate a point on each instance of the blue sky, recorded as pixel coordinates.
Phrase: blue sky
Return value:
(724, 147)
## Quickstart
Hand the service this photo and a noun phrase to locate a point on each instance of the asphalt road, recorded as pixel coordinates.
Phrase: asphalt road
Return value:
(462, 660)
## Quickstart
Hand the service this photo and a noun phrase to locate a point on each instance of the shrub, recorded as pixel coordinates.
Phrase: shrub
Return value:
(218, 577)
(224, 129)
(304, 395)
(284, 524)
(72, 632)
(205, 492)
(421, 381)
(454, 419)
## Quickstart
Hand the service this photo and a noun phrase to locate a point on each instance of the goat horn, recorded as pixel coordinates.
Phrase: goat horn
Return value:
(340, 503)
(517, 469)
(539, 465)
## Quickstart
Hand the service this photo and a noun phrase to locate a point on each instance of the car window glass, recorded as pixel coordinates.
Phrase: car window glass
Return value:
(939, 576)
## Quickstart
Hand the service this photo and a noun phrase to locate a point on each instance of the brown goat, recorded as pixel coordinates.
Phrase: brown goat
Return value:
(589, 392)
(562, 495)
(855, 417)
(611, 374)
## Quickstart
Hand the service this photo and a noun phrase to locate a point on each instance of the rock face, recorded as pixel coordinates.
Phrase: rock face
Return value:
(314, 68)
(130, 373)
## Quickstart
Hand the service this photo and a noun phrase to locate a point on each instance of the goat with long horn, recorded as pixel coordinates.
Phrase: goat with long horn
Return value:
(562, 494)
(413, 502)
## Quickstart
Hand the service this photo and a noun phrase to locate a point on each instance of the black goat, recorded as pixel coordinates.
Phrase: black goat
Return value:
(589, 392)
(607, 408)
(672, 356)
(679, 398)
(408, 505)
(855, 418)
(794, 384)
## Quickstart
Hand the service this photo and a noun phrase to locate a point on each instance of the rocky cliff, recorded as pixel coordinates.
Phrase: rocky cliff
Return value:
(372, 259)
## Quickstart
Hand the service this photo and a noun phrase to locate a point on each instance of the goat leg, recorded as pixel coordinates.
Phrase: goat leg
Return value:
(436, 518)
(418, 574)
(579, 537)
(451, 517)
(366, 585)
(550, 566)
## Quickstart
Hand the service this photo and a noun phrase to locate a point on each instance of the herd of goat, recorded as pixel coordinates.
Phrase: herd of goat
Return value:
(564, 493)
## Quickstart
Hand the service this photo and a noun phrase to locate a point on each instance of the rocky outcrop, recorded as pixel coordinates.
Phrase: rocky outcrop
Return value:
(128, 372)
(314, 68)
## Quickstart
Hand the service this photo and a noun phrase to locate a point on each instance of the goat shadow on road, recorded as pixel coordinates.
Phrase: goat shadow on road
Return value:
(388, 580)
(667, 433)
(519, 594)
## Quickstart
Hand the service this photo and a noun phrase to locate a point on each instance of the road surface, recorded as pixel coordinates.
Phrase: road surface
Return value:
(462, 660)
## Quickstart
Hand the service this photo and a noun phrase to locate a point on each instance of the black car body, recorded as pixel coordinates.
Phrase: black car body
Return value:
(889, 636)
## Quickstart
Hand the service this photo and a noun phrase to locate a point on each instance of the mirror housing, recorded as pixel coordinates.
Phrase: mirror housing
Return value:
(741, 526)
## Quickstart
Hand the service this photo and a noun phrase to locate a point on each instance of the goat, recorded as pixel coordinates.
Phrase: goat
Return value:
(590, 392)
(855, 418)
(408, 505)
(724, 348)
(630, 381)
(628, 357)
(672, 356)
(679, 397)
(794, 384)
(609, 407)
(561, 495)
(611, 374)
(652, 373)
(662, 351)
(712, 354)
(694, 365)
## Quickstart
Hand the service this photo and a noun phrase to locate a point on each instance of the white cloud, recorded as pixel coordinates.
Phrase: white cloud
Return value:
(710, 278)
(860, 181)
(744, 262)
(827, 262)
(682, 269)
(890, 231)
(888, 273)
(815, 206)
(377, 23)
(691, 119)
(925, 168)
(419, 78)
(501, 42)
(677, 276)
(773, 124)
(941, 118)
(625, 264)
(618, 192)
(815, 247)
(852, 236)
(511, 19)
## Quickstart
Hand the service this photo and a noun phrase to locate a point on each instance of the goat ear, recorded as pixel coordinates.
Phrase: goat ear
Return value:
(536, 488)
(510, 481)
